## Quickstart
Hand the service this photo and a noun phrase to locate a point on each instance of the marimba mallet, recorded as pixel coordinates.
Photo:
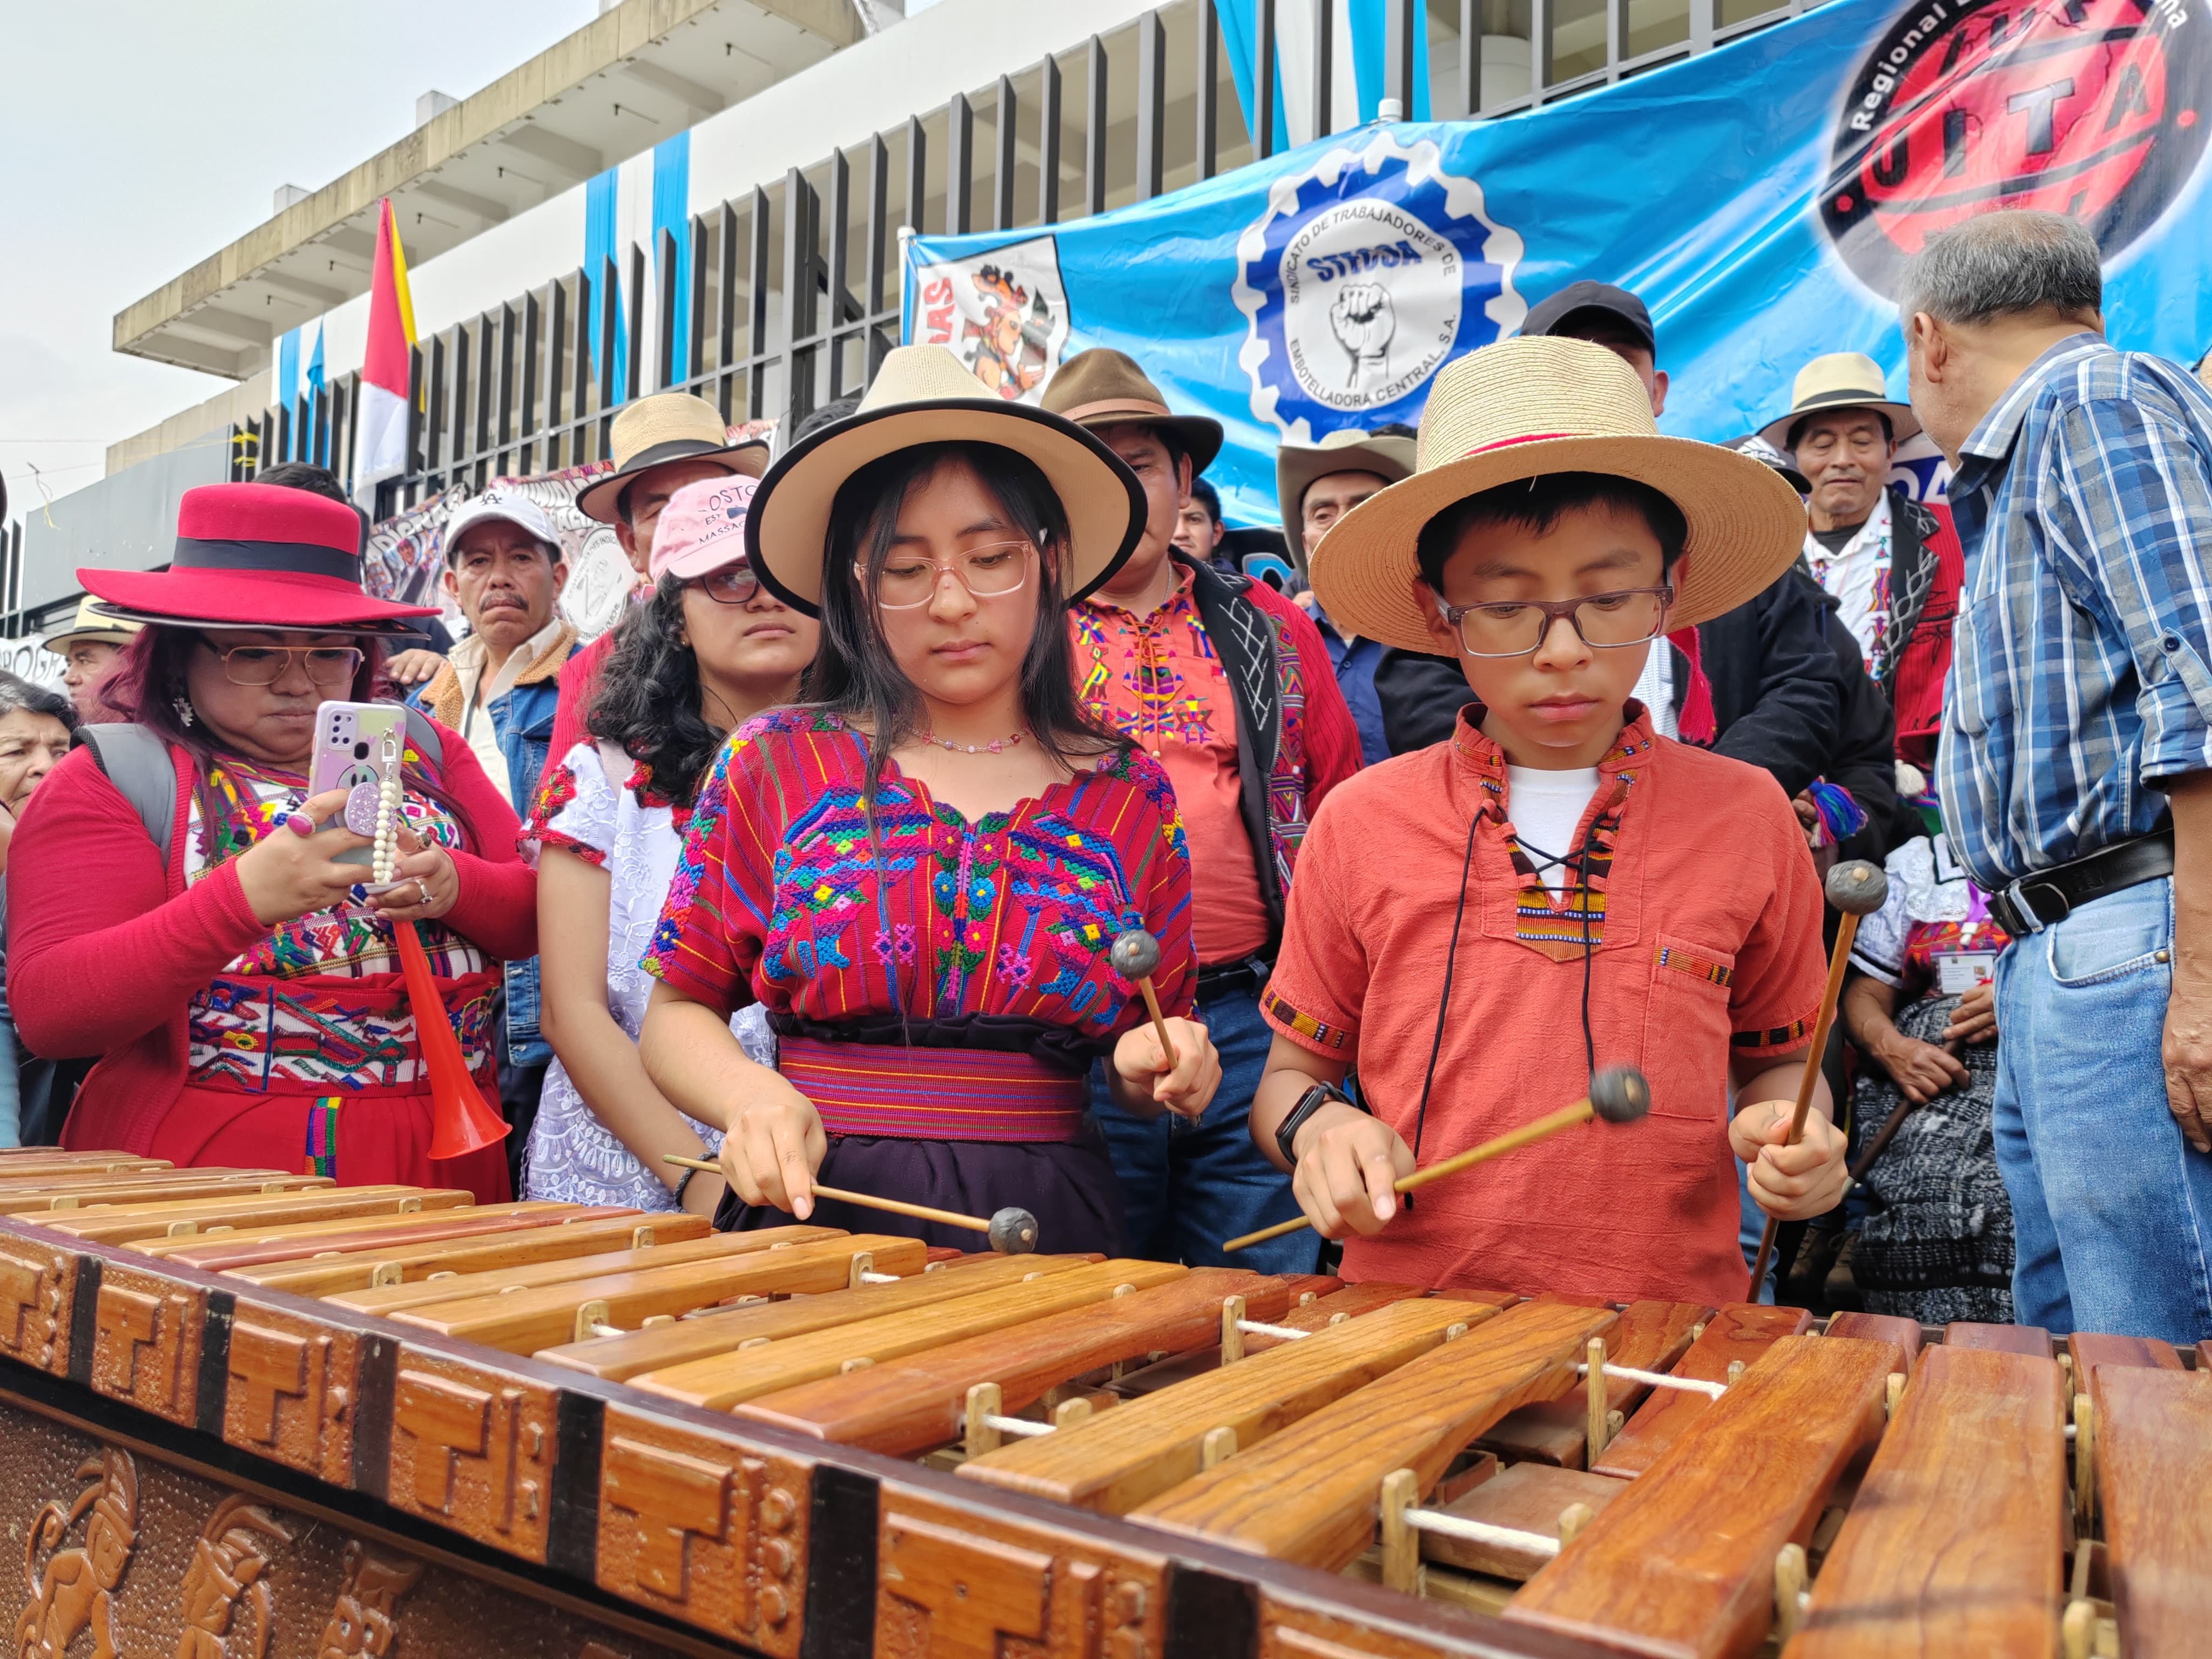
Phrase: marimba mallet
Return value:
(1619, 1095)
(1856, 889)
(1136, 958)
(1012, 1231)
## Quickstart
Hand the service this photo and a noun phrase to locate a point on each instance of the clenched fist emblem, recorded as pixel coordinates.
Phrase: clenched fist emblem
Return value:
(1364, 322)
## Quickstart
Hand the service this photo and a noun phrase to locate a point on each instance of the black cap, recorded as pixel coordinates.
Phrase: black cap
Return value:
(1618, 302)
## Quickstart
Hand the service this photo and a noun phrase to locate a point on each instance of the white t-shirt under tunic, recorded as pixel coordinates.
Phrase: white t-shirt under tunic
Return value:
(1547, 809)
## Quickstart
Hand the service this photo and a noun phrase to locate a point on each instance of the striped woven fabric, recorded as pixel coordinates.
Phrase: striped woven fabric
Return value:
(932, 1094)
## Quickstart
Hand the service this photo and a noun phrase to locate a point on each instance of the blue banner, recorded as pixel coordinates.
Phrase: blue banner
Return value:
(1760, 198)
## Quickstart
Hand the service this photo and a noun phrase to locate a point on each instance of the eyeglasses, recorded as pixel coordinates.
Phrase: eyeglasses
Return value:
(265, 664)
(988, 572)
(1516, 627)
(733, 583)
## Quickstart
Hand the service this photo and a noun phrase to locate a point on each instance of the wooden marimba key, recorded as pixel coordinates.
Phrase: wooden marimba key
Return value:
(1556, 1462)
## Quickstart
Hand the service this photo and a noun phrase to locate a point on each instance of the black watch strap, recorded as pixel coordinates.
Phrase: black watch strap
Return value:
(1312, 1101)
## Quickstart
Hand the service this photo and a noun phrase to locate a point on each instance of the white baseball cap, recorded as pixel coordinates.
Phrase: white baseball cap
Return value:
(519, 511)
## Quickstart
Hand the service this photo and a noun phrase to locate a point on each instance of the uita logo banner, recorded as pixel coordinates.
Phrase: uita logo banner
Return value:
(1761, 199)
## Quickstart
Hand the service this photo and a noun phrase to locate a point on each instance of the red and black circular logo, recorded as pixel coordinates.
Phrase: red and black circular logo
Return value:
(2094, 108)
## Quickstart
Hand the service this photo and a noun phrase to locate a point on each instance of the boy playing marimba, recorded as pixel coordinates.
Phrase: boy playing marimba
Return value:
(1481, 925)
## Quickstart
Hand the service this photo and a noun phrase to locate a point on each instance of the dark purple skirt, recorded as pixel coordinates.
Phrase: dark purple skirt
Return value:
(1068, 1186)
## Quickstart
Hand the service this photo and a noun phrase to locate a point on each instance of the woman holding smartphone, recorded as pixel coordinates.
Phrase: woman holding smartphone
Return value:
(244, 989)
(921, 874)
(710, 649)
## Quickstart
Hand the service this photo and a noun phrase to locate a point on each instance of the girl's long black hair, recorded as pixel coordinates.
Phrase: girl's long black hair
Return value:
(648, 701)
(854, 674)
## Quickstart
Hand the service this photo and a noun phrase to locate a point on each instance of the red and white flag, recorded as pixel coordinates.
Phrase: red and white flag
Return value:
(380, 451)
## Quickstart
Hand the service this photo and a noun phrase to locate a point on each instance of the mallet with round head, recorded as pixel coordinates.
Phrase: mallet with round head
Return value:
(1136, 958)
(1012, 1231)
(1618, 1094)
(1857, 888)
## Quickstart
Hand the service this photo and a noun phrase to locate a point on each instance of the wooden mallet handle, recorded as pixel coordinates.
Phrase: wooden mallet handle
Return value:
(1619, 1095)
(1856, 889)
(1007, 1229)
(1135, 956)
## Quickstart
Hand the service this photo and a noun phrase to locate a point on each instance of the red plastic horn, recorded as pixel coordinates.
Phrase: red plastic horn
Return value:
(461, 1119)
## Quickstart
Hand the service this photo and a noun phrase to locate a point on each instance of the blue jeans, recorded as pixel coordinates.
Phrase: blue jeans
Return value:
(2111, 1210)
(1190, 1185)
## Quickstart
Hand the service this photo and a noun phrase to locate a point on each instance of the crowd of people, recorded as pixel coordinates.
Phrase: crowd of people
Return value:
(813, 868)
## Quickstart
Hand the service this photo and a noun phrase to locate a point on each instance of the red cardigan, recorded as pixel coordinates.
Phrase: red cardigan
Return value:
(108, 965)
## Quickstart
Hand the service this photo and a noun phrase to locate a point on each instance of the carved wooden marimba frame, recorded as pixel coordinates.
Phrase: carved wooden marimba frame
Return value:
(252, 1413)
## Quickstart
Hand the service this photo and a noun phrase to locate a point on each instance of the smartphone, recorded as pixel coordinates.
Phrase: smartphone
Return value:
(355, 744)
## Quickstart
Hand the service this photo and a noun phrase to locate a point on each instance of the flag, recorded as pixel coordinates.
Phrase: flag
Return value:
(381, 450)
(313, 380)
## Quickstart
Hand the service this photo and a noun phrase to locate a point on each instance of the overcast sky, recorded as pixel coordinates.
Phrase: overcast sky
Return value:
(142, 135)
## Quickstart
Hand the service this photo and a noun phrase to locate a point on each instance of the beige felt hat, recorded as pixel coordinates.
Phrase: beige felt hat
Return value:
(1527, 407)
(90, 623)
(1842, 379)
(669, 426)
(1298, 467)
(923, 394)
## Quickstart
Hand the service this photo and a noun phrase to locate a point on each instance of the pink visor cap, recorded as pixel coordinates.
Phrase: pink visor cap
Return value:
(703, 528)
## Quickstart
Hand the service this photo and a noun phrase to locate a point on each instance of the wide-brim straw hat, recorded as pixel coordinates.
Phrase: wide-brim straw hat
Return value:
(89, 624)
(1298, 467)
(923, 394)
(1525, 407)
(1842, 379)
(669, 426)
(255, 556)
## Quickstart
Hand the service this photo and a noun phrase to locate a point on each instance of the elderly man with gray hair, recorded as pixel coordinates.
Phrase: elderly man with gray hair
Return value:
(2076, 765)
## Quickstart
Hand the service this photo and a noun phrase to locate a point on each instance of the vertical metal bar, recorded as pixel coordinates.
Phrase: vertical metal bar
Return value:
(556, 342)
(756, 335)
(1095, 125)
(1540, 47)
(917, 174)
(1152, 105)
(1002, 172)
(1401, 18)
(487, 392)
(695, 331)
(412, 479)
(636, 336)
(1324, 67)
(434, 418)
(1263, 78)
(580, 379)
(507, 332)
(462, 390)
(1702, 22)
(800, 213)
(874, 303)
(347, 403)
(663, 343)
(725, 335)
(1209, 75)
(610, 320)
(1470, 58)
(533, 336)
(1048, 140)
(1616, 38)
(959, 162)
(844, 309)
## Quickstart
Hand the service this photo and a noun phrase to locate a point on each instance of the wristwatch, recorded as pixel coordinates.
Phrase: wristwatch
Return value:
(1312, 1101)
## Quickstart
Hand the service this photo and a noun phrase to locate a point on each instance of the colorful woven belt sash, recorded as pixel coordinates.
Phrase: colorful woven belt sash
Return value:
(328, 1035)
(932, 1094)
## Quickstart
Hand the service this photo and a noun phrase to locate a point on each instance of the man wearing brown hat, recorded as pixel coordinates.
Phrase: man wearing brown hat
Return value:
(660, 444)
(1229, 686)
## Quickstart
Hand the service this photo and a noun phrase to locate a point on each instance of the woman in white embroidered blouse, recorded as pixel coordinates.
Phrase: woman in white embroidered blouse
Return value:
(711, 649)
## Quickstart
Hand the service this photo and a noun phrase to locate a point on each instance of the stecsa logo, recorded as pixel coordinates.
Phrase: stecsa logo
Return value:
(2093, 108)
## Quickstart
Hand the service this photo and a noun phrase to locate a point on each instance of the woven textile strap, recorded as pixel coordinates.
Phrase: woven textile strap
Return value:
(932, 1094)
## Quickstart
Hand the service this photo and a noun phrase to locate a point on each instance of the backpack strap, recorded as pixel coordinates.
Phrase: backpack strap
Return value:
(136, 760)
(425, 738)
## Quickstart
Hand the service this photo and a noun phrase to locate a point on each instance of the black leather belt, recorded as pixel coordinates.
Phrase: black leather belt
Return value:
(1226, 978)
(2049, 896)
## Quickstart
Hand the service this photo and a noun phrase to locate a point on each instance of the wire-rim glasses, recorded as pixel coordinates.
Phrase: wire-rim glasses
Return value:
(909, 581)
(265, 664)
(1605, 621)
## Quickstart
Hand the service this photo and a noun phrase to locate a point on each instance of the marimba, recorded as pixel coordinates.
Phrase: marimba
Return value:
(252, 1412)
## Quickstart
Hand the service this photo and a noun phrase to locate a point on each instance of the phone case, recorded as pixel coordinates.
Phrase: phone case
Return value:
(348, 744)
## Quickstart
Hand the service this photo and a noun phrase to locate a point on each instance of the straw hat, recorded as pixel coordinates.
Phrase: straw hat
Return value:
(1105, 387)
(1298, 467)
(1842, 379)
(1527, 407)
(89, 624)
(669, 426)
(255, 556)
(924, 394)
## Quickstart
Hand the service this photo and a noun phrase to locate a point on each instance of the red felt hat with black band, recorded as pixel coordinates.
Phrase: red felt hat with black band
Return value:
(256, 556)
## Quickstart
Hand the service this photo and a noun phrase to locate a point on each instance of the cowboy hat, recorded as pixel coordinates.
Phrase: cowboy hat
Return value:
(89, 625)
(923, 394)
(1298, 467)
(669, 426)
(255, 556)
(1842, 379)
(1104, 387)
(1524, 408)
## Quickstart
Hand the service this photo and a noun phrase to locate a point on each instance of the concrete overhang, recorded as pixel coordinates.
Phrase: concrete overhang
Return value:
(640, 72)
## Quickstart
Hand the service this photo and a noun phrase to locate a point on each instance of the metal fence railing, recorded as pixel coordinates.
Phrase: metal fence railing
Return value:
(793, 296)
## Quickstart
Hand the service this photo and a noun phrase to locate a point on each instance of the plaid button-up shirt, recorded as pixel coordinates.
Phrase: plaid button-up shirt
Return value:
(2081, 664)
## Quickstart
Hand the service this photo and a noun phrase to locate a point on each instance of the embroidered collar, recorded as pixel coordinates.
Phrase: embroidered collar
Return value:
(1482, 758)
(1167, 611)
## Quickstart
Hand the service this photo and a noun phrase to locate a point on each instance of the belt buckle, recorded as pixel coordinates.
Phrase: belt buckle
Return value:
(2015, 898)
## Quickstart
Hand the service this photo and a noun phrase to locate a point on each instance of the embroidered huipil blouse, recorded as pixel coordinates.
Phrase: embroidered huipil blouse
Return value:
(987, 939)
